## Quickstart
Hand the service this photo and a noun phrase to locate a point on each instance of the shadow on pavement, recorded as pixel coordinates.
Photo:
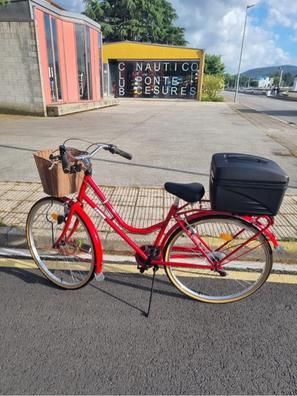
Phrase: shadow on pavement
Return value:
(28, 276)
(284, 113)
(119, 162)
(152, 167)
(123, 280)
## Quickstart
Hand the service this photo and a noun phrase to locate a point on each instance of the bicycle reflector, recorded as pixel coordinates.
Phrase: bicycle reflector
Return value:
(55, 216)
(226, 236)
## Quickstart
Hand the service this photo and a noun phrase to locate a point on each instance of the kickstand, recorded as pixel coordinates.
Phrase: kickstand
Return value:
(155, 268)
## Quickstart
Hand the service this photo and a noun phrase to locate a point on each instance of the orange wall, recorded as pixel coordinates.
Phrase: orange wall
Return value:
(67, 58)
(43, 54)
(70, 61)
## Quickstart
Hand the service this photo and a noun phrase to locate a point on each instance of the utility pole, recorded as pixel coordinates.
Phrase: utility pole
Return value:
(241, 50)
(281, 77)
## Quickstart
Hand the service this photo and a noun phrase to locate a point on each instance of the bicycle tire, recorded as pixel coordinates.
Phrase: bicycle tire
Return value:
(72, 264)
(246, 276)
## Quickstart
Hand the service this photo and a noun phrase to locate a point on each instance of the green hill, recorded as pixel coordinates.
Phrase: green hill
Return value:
(268, 71)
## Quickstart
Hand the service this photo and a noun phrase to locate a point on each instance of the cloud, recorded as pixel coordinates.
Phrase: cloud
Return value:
(72, 5)
(217, 27)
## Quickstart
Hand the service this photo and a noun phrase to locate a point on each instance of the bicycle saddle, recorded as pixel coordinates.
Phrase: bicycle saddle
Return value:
(190, 192)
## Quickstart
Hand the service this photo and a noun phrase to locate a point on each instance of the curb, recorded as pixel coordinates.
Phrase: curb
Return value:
(15, 238)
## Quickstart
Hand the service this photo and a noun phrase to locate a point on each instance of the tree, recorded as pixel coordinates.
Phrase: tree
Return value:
(212, 85)
(288, 79)
(229, 80)
(214, 65)
(136, 20)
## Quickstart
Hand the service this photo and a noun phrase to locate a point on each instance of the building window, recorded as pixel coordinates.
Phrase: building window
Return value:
(84, 69)
(155, 79)
(53, 57)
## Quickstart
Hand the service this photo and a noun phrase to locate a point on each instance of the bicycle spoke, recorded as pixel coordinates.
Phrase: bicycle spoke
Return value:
(238, 252)
(69, 263)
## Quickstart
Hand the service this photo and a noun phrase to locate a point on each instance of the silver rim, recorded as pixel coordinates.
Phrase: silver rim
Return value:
(71, 265)
(245, 273)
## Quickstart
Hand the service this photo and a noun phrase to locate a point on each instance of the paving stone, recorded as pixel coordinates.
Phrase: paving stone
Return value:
(285, 233)
(16, 195)
(23, 207)
(8, 185)
(292, 219)
(33, 187)
(36, 196)
(139, 207)
(7, 206)
(151, 192)
(16, 219)
(280, 220)
(150, 201)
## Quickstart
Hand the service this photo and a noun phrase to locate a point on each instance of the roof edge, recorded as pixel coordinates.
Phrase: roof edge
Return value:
(156, 44)
(65, 14)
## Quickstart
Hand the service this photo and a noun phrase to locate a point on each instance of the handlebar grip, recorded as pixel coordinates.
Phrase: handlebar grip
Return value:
(64, 159)
(123, 154)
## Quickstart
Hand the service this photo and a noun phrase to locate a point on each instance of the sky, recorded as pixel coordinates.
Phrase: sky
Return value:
(217, 26)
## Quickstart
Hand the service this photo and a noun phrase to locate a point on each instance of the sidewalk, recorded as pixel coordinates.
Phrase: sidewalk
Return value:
(139, 206)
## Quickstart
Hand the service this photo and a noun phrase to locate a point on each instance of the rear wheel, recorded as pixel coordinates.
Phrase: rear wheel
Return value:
(71, 264)
(241, 274)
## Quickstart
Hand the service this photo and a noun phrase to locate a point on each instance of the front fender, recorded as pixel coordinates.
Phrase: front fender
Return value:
(93, 233)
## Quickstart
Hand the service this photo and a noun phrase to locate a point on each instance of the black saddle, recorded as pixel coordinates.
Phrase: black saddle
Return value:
(190, 192)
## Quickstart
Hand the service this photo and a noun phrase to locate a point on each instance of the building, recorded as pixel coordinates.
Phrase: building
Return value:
(142, 70)
(266, 82)
(51, 59)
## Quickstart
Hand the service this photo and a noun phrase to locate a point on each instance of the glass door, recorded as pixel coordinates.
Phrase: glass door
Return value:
(83, 53)
(53, 57)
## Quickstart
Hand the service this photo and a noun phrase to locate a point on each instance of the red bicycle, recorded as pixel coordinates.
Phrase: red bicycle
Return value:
(210, 256)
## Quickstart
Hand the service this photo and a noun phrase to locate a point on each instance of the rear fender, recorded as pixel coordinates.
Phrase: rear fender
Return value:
(208, 213)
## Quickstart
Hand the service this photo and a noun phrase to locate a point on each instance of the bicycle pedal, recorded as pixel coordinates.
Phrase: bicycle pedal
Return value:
(99, 277)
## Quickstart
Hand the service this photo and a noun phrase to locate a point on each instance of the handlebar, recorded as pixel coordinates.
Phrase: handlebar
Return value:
(66, 157)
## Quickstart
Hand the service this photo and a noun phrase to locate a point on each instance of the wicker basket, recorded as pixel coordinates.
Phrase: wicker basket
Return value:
(54, 181)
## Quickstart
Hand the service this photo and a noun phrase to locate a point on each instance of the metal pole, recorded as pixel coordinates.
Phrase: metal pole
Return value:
(240, 57)
(281, 77)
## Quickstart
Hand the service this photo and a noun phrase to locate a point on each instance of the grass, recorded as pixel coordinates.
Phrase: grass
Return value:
(207, 98)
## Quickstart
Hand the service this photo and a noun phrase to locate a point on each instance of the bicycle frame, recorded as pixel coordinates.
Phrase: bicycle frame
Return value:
(181, 216)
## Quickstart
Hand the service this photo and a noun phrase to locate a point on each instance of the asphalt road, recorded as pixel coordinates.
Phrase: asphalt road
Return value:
(97, 341)
(282, 109)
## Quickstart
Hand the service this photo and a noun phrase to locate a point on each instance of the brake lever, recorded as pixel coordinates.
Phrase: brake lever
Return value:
(111, 148)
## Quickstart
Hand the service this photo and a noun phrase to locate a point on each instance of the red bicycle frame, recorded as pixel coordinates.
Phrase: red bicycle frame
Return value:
(181, 216)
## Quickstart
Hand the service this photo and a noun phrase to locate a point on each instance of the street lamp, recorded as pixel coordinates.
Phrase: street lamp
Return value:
(242, 42)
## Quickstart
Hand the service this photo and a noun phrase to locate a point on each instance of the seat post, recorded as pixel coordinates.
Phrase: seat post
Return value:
(176, 202)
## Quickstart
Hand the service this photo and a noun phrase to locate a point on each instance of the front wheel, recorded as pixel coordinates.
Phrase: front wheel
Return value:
(241, 274)
(70, 262)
